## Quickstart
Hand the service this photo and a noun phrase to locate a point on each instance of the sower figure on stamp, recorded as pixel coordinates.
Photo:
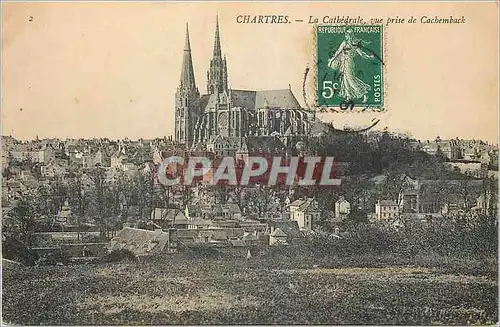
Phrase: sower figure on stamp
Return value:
(351, 87)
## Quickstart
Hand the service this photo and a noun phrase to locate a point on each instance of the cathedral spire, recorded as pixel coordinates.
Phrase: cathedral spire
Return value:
(217, 73)
(187, 44)
(217, 50)
(187, 72)
(186, 98)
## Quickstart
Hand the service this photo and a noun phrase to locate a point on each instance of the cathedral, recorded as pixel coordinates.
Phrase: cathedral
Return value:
(228, 113)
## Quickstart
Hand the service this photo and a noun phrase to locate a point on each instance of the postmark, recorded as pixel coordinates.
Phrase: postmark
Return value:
(350, 67)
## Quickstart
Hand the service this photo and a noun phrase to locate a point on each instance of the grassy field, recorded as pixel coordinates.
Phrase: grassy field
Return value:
(178, 290)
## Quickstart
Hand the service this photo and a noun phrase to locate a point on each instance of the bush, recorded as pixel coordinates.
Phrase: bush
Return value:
(475, 237)
(463, 239)
(119, 255)
(16, 250)
(375, 239)
(53, 259)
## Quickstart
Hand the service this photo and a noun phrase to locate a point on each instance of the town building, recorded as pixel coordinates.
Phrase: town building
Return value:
(447, 148)
(386, 210)
(342, 208)
(487, 204)
(280, 232)
(305, 212)
(409, 196)
(169, 218)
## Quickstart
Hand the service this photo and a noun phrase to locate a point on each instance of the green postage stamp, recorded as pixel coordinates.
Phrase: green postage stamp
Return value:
(349, 67)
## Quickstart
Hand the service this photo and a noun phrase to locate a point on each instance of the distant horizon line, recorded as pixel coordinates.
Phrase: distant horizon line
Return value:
(172, 137)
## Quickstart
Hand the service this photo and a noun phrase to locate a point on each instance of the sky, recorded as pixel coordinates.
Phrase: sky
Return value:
(111, 69)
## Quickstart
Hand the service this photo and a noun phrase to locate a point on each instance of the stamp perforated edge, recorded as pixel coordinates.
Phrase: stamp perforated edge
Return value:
(312, 73)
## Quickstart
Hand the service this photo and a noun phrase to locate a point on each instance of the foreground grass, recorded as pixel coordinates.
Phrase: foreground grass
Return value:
(178, 290)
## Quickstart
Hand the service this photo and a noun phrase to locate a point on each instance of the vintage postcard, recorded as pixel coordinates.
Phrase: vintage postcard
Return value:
(249, 163)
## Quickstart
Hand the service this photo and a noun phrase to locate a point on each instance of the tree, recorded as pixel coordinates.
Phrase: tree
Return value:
(356, 216)
(186, 192)
(440, 154)
(79, 198)
(22, 219)
(221, 193)
(356, 190)
(260, 198)
(50, 198)
(239, 195)
(393, 185)
(126, 189)
(465, 190)
(100, 200)
(145, 194)
(165, 194)
(490, 187)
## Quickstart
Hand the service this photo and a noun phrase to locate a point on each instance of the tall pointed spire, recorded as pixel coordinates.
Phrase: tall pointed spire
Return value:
(217, 50)
(187, 72)
(186, 98)
(187, 44)
(217, 73)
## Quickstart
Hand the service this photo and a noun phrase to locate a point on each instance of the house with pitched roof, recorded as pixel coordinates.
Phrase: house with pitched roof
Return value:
(96, 157)
(258, 145)
(305, 212)
(226, 211)
(200, 211)
(53, 169)
(46, 154)
(119, 159)
(281, 231)
(342, 208)
(168, 218)
(223, 145)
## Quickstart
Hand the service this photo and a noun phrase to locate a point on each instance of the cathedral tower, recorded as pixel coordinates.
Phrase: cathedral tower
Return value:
(217, 73)
(187, 99)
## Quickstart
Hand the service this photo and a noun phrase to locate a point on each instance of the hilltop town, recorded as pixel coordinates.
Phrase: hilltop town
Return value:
(100, 194)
